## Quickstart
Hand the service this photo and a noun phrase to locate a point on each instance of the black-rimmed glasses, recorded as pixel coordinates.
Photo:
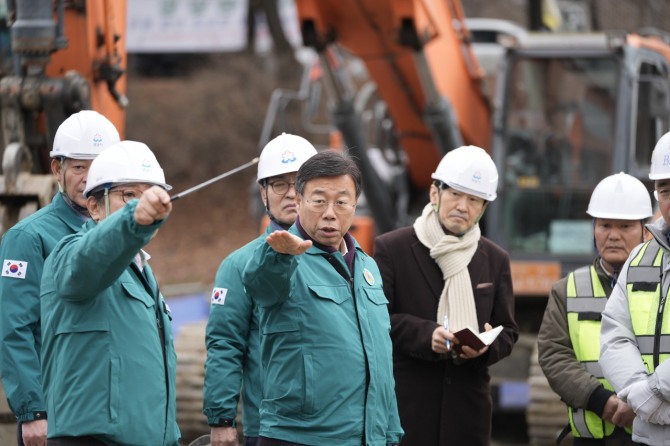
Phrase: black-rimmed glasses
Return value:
(281, 187)
(127, 194)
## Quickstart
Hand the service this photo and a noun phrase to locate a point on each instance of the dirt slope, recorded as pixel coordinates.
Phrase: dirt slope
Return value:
(199, 125)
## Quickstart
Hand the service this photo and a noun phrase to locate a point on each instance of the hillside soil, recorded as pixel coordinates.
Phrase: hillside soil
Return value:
(201, 123)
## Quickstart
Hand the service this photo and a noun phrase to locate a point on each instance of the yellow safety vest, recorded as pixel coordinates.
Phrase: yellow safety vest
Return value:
(647, 297)
(585, 304)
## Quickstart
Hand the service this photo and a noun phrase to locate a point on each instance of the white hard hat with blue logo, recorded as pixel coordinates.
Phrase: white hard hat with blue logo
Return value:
(83, 136)
(660, 159)
(284, 154)
(124, 163)
(469, 169)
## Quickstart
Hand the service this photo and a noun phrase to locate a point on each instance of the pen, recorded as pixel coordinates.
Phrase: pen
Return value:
(446, 327)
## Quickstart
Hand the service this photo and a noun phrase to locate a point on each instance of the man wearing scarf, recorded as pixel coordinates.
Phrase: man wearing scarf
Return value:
(569, 338)
(442, 266)
(325, 345)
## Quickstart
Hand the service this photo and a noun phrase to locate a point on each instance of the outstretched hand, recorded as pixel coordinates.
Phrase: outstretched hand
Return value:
(286, 243)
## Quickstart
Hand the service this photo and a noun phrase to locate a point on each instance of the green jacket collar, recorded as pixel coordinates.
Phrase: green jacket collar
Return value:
(73, 219)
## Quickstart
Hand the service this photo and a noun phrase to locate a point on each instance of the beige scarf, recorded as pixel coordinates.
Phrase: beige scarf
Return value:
(452, 254)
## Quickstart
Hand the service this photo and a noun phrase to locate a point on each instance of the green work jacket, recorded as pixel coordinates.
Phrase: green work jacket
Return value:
(23, 250)
(325, 348)
(108, 360)
(233, 345)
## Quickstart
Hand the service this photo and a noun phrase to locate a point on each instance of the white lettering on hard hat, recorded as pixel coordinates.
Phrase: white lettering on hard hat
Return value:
(666, 160)
(288, 157)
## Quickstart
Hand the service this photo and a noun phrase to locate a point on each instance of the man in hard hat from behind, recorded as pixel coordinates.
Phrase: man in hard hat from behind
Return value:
(108, 359)
(635, 331)
(233, 338)
(442, 270)
(79, 139)
(569, 338)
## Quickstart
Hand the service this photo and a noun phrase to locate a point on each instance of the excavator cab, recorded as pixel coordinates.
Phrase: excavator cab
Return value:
(573, 109)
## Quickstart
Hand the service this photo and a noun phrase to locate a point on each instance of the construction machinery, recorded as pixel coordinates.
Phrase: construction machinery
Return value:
(66, 56)
(567, 110)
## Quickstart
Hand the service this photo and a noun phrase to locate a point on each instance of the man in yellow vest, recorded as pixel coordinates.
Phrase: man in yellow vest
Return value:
(568, 341)
(635, 332)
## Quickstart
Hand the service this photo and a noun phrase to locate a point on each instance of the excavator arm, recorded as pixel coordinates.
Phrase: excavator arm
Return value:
(68, 56)
(418, 54)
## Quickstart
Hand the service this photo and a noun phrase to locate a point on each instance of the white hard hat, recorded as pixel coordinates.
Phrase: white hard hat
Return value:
(122, 163)
(471, 170)
(83, 136)
(284, 154)
(621, 197)
(660, 159)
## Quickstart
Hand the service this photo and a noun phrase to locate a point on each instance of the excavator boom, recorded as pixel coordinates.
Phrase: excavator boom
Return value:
(418, 54)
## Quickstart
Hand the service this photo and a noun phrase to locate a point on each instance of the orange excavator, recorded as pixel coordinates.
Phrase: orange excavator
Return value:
(418, 54)
(567, 110)
(67, 56)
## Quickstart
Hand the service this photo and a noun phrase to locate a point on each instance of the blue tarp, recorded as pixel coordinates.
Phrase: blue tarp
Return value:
(187, 309)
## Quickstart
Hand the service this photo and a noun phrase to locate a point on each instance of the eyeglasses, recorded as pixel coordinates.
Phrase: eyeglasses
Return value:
(662, 196)
(339, 206)
(127, 194)
(281, 187)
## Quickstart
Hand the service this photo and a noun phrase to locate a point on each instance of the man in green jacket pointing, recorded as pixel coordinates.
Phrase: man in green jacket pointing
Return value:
(78, 140)
(108, 359)
(325, 343)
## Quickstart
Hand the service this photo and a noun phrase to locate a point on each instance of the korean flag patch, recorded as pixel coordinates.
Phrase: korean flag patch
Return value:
(219, 296)
(14, 268)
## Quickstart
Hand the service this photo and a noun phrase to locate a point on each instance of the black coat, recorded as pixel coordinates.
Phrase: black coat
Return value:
(442, 403)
